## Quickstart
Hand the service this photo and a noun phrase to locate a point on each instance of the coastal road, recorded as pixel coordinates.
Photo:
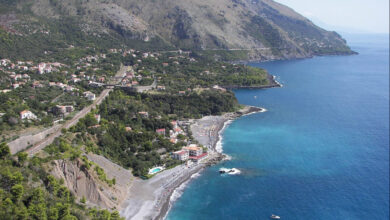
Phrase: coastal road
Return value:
(49, 139)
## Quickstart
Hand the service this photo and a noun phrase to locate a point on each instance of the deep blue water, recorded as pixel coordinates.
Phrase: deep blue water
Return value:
(321, 151)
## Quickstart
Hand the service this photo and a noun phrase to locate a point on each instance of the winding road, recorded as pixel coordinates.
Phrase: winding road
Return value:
(50, 138)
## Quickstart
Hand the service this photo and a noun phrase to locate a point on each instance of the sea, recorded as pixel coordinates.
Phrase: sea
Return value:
(320, 151)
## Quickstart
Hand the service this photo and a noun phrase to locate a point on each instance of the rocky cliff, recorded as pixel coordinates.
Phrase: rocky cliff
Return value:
(84, 183)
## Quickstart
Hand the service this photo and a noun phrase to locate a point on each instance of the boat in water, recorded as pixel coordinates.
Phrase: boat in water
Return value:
(275, 216)
(231, 171)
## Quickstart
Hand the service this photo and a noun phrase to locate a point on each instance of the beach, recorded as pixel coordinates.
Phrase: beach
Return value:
(151, 199)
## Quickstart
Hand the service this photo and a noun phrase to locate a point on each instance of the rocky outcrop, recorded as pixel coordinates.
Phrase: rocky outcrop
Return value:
(84, 183)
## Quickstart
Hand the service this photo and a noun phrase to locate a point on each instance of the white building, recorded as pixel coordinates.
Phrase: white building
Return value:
(27, 115)
(89, 95)
(44, 68)
(194, 150)
(180, 155)
(97, 117)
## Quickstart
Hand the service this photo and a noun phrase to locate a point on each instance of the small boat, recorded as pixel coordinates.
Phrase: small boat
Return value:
(275, 216)
(232, 171)
(224, 170)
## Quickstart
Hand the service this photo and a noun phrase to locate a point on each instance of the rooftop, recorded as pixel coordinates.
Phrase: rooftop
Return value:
(198, 157)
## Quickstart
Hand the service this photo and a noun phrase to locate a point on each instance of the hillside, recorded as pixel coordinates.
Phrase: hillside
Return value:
(257, 29)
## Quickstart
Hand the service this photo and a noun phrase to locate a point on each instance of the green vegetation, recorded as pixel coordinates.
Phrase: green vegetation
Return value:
(53, 37)
(138, 148)
(102, 176)
(197, 70)
(136, 129)
(28, 192)
(223, 55)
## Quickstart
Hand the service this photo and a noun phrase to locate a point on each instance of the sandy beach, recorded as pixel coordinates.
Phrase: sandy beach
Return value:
(150, 199)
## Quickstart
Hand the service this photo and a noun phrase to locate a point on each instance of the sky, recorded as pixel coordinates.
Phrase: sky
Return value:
(351, 16)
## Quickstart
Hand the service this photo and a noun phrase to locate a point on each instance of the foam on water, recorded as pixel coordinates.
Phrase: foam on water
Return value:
(218, 146)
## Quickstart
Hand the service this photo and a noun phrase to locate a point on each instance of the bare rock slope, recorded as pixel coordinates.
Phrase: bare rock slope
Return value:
(84, 183)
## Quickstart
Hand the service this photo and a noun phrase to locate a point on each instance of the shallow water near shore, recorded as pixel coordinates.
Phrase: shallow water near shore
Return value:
(321, 151)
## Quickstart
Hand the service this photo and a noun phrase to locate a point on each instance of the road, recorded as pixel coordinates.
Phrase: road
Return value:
(49, 139)
(146, 88)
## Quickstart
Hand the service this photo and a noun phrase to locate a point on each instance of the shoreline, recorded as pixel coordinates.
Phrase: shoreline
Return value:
(215, 156)
(152, 198)
(273, 84)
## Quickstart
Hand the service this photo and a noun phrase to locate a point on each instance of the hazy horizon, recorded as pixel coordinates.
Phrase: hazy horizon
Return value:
(351, 16)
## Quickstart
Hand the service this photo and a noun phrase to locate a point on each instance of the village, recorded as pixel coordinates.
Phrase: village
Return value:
(63, 89)
(189, 154)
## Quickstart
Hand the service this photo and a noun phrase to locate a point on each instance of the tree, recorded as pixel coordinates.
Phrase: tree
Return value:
(17, 192)
(115, 216)
(83, 200)
(53, 213)
(22, 157)
(4, 150)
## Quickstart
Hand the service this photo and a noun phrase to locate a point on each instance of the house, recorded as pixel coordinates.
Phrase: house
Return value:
(160, 131)
(5, 90)
(128, 129)
(165, 64)
(160, 88)
(101, 79)
(174, 124)
(37, 84)
(194, 150)
(75, 80)
(216, 87)
(97, 117)
(57, 64)
(199, 158)
(44, 68)
(178, 130)
(96, 84)
(62, 109)
(180, 155)
(5, 62)
(26, 114)
(70, 88)
(89, 95)
(182, 92)
(144, 114)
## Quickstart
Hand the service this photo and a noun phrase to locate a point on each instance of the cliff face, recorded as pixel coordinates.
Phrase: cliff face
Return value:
(264, 28)
(84, 183)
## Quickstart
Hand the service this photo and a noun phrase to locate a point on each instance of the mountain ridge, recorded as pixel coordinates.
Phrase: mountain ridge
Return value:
(266, 28)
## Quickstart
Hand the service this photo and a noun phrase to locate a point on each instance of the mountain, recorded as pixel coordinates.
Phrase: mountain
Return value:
(263, 29)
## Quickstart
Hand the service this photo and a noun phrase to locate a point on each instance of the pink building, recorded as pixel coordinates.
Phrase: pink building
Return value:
(161, 131)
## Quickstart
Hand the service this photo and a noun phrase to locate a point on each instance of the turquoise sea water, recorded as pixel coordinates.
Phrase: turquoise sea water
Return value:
(321, 151)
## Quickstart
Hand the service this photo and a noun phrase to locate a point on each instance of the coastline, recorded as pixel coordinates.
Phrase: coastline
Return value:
(215, 152)
(152, 198)
(273, 83)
